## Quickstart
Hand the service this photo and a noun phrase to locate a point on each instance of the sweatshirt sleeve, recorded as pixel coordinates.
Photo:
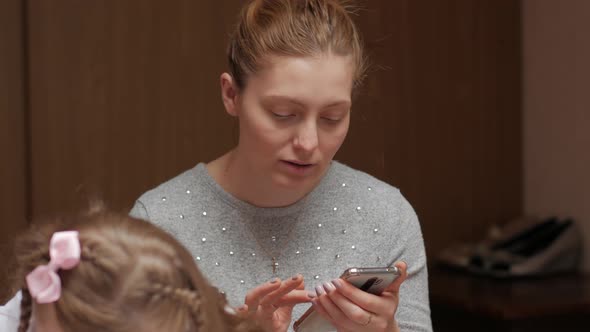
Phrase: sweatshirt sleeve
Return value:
(139, 211)
(413, 313)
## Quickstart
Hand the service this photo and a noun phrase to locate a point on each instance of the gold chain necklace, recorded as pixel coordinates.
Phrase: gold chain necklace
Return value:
(274, 257)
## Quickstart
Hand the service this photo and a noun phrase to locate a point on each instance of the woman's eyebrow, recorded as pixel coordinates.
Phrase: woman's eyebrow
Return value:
(282, 99)
(346, 103)
(289, 100)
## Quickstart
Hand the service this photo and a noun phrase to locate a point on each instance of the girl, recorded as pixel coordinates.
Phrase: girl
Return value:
(108, 272)
(277, 204)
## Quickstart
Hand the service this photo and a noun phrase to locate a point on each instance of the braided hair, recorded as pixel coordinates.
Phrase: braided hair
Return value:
(131, 276)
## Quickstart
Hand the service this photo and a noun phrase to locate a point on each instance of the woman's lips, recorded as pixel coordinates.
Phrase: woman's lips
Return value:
(298, 168)
(298, 163)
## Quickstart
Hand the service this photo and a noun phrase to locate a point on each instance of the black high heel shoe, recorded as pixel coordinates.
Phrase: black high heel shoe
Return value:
(470, 255)
(553, 247)
(480, 260)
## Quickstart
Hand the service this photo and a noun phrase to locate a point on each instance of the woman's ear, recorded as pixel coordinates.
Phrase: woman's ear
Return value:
(229, 94)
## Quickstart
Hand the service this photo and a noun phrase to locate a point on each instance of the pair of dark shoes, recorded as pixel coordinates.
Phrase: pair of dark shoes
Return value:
(525, 247)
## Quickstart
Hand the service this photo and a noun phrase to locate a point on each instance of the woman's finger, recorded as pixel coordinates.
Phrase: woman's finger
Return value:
(242, 311)
(394, 287)
(338, 318)
(255, 295)
(295, 297)
(285, 288)
(381, 305)
(352, 311)
(269, 303)
(366, 301)
(317, 306)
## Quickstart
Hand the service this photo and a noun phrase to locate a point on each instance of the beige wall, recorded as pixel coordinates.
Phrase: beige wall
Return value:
(556, 50)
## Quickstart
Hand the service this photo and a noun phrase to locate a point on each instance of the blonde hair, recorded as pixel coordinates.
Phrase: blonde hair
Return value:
(131, 275)
(293, 28)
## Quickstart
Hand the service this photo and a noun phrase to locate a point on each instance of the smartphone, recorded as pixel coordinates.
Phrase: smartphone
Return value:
(369, 279)
(372, 280)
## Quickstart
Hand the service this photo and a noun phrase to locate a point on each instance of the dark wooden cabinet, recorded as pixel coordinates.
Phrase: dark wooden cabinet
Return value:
(463, 302)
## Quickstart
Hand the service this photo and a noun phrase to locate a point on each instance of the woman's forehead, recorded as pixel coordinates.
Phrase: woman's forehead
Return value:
(328, 79)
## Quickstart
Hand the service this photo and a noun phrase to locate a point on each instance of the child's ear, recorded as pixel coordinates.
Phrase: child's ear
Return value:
(229, 94)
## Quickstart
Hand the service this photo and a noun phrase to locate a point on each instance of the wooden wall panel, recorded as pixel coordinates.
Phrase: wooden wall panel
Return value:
(440, 115)
(13, 207)
(124, 95)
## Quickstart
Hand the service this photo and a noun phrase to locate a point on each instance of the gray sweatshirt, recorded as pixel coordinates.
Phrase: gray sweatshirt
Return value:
(350, 219)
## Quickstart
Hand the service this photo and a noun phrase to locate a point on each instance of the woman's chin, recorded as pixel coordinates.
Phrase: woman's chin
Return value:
(297, 180)
(288, 181)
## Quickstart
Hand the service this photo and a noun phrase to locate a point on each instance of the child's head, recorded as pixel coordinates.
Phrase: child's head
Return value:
(131, 276)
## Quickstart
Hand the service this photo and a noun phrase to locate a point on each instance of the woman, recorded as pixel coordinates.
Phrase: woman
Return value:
(277, 205)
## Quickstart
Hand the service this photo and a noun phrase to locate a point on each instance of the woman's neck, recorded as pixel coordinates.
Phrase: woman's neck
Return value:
(236, 177)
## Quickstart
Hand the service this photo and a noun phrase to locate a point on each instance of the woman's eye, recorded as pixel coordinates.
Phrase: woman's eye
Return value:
(282, 115)
(331, 119)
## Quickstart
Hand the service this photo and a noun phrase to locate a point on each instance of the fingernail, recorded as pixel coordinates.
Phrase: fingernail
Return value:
(274, 281)
(295, 277)
(314, 302)
(311, 294)
(405, 267)
(329, 287)
(319, 290)
(337, 283)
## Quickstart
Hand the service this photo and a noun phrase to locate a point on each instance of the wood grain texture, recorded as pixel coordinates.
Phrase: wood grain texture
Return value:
(440, 116)
(13, 207)
(125, 95)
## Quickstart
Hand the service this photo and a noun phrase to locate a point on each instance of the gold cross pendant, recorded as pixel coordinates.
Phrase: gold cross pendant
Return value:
(274, 265)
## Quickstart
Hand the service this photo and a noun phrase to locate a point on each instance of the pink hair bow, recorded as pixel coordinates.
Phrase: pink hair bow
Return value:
(44, 283)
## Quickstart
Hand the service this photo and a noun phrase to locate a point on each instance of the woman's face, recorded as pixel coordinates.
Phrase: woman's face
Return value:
(294, 115)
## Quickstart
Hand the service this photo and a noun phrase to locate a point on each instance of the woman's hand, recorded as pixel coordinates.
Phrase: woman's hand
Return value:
(351, 309)
(271, 304)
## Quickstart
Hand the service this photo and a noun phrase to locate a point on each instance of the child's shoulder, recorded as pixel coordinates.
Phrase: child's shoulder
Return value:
(10, 314)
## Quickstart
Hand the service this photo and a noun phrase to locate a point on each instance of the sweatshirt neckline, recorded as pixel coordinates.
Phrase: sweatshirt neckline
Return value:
(253, 210)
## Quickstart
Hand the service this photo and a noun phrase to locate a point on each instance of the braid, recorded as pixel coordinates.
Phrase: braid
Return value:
(36, 256)
(187, 297)
(26, 310)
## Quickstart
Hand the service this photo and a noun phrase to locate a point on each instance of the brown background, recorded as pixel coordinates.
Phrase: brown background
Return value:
(556, 107)
(13, 128)
(109, 98)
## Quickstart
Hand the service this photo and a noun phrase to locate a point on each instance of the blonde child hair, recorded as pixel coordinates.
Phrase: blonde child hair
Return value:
(131, 276)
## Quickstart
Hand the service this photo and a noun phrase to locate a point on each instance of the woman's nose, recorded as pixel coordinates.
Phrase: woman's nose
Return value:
(307, 137)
